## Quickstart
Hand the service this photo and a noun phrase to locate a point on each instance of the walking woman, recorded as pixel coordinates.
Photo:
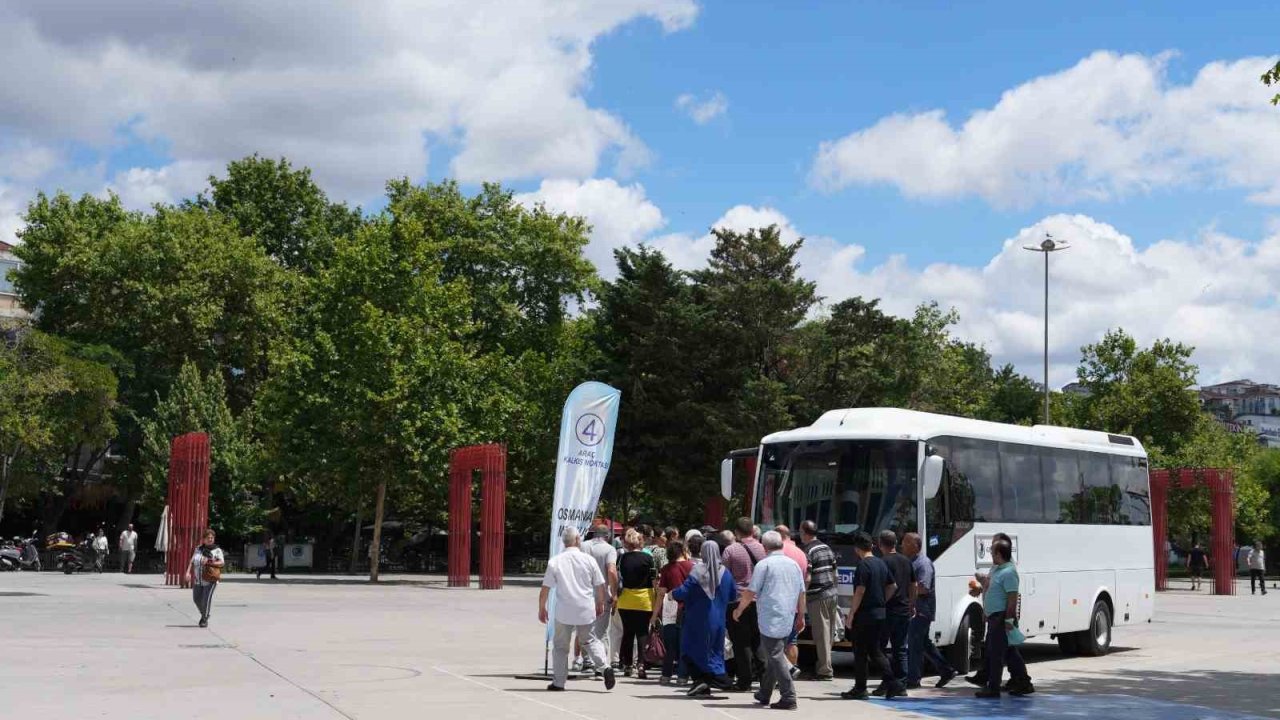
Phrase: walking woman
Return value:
(636, 575)
(203, 575)
(667, 612)
(706, 595)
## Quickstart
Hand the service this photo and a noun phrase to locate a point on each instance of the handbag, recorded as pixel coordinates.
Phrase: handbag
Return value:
(210, 573)
(1015, 636)
(654, 650)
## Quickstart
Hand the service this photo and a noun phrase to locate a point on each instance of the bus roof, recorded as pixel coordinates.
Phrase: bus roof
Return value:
(898, 424)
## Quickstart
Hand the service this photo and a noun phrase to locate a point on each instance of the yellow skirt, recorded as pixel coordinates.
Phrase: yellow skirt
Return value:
(636, 599)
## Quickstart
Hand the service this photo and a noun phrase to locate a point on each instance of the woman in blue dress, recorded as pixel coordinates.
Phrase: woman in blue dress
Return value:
(706, 595)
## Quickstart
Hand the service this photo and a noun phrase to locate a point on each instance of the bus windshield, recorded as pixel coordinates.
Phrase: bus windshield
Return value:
(845, 486)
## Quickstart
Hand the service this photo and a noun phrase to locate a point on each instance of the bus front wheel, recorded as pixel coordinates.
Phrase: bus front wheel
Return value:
(1096, 641)
(960, 654)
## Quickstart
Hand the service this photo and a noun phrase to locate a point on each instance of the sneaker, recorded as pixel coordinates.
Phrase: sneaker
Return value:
(977, 679)
(626, 671)
(913, 686)
(681, 682)
(895, 692)
(664, 680)
(987, 694)
(554, 688)
(880, 690)
(699, 689)
(760, 699)
(609, 679)
(783, 705)
(576, 666)
(204, 622)
(945, 678)
(855, 694)
(812, 677)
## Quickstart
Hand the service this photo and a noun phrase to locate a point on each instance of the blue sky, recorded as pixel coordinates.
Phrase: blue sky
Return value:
(915, 145)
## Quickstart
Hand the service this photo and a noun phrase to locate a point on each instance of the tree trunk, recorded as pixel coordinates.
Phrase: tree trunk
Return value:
(376, 555)
(355, 541)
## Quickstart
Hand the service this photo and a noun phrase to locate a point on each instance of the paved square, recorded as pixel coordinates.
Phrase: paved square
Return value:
(112, 646)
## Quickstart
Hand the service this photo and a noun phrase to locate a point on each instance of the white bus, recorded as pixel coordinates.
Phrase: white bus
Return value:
(1075, 502)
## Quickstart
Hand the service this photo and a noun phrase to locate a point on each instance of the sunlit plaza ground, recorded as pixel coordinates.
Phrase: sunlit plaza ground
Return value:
(113, 646)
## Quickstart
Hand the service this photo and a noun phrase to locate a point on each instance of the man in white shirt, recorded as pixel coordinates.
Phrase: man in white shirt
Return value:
(99, 550)
(128, 549)
(580, 599)
(1257, 568)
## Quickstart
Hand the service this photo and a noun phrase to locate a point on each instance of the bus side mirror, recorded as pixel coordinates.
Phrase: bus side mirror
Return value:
(932, 474)
(726, 478)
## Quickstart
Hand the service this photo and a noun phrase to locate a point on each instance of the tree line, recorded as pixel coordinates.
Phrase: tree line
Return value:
(336, 355)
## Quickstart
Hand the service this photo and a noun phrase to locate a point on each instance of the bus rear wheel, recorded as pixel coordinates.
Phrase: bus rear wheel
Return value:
(1096, 641)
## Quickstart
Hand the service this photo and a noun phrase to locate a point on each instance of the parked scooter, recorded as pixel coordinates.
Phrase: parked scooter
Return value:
(10, 556)
(73, 559)
(30, 554)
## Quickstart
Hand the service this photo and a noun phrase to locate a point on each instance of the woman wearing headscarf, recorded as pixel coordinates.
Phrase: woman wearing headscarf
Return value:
(706, 595)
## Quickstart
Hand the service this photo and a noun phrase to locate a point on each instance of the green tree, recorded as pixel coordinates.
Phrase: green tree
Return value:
(283, 209)
(31, 379)
(1272, 77)
(1211, 445)
(1014, 398)
(1145, 392)
(198, 403)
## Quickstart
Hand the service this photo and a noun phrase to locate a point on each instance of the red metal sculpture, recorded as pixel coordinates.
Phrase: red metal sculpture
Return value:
(491, 461)
(188, 502)
(1221, 484)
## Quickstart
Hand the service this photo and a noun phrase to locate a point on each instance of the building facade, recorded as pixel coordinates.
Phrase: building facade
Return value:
(11, 311)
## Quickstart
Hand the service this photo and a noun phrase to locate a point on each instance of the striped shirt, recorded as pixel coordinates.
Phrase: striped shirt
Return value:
(822, 571)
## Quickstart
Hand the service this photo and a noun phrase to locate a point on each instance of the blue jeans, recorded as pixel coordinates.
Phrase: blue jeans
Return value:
(895, 637)
(920, 646)
(673, 660)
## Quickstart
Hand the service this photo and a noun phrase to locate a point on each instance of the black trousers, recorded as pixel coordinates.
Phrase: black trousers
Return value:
(867, 635)
(1262, 581)
(1000, 653)
(635, 635)
(744, 636)
(894, 639)
(270, 567)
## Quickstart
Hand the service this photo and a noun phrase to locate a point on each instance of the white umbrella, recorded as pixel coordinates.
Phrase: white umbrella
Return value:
(162, 537)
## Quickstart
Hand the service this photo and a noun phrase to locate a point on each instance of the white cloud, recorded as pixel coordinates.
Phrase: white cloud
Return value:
(703, 111)
(10, 215)
(359, 92)
(1212, 292)
(1111, 125)
(619, 215)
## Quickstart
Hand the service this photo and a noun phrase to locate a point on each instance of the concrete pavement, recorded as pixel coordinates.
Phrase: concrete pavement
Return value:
(113, 646)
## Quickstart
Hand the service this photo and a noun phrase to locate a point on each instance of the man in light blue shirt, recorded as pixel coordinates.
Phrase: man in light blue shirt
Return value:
(1001, 605)
(778, 588)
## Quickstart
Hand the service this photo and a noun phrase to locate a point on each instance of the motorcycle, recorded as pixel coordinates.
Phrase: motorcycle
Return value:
(30, 559)
(73, 559)
(10, 556)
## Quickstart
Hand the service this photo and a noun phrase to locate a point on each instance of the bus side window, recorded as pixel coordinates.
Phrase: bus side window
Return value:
(1101, 495)
(1063, 496)
(1022, 490)
(1130, 475)
(976, 481)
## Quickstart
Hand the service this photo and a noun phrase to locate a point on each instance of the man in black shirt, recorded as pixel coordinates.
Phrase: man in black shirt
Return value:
(872, 584)
(897, 608)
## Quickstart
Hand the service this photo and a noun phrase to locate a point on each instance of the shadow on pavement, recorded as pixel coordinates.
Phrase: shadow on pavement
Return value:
(1254, 693)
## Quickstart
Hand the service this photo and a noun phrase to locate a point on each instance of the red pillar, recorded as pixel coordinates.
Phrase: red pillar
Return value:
(188, 502)
(1160, 525)
(1222, 493)
(459, 522)
(493, 519)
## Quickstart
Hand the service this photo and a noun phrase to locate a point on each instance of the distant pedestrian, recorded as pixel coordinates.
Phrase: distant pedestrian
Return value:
(777, 591)
(656, 545)
(600, 548)
(707, 594)
(824, 615)
(580, 599)
(128, 545)
(636, 579)
(740, 559)
(269, 557)
(919, 645)
(897, 620)
(100, 550)
(203, 573)
(1197, 563)
(1257, 568)
(872, 585)
(1001, 606)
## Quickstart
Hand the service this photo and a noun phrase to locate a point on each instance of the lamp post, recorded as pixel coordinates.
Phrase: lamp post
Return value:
(1049, 245)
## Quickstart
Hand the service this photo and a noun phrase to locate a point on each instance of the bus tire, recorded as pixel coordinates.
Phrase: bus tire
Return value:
(1096, 641)
(960, 651)
(1068, 644)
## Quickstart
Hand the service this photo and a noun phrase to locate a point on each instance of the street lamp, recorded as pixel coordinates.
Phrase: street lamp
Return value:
(1046, 247)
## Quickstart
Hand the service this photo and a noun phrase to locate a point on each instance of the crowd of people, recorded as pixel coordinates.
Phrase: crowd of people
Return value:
(728, 607)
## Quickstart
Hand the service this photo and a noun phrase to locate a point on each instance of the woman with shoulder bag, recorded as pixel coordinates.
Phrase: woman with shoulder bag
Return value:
(203, 574)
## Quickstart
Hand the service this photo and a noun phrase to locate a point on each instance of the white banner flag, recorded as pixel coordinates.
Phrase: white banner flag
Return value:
(586, 450)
